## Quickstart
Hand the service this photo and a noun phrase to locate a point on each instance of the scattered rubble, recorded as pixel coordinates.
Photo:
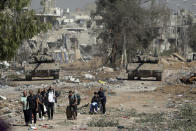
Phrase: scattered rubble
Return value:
(106, 69)
(2, 97)
(122, 76)
(71, 79)
(171, 104)
(88, 81)
(175, 76)
(4, 64)
(176, 55)
(189, 79)
(89, 76)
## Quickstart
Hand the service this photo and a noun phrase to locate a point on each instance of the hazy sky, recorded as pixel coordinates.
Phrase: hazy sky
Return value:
(187, 4)
(73, 4)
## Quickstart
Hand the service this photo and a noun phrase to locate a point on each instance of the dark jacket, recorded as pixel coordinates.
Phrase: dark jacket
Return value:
(32, 101)
(43, 93)
(95, 99)
(102, 96)
(44, 98)
(39, 96)
(72, 100)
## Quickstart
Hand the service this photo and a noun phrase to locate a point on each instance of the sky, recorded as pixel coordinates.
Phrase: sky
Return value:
(186, 4)
(73, 4)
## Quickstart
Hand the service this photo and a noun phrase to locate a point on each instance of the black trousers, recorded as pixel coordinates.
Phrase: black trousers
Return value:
(32, 112)
(26, 116)
(74, 110)
(50, 110)
(41, 110)
(103, 106)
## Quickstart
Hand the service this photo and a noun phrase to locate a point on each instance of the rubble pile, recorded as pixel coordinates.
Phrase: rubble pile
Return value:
(174, 61)
(10, 110)
(175, 76)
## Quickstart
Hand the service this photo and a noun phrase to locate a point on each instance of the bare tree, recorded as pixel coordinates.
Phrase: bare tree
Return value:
(127, 27)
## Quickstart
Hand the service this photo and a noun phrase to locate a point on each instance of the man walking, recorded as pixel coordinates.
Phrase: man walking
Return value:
(40, 105)
(25, 107)
(45, 99)
(33, 107)
(103, 99)
(73, 105)
(51, 101)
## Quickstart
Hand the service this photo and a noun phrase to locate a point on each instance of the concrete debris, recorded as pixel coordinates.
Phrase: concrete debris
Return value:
(171, 104)
(4, 64)
(186, 101)
(89, 76)
(175, 77)
(180, 76)
(164, 61)
(180, 95)
(112, 80)
(105, 69)
(58, 81)
(172, 59)
(3, 75)
(18, 73)
(71, 78)
(122, 76)
(189, 79)
(3, 98)
(66, 77)
(74, 79)
(108, 69)
(176, 55)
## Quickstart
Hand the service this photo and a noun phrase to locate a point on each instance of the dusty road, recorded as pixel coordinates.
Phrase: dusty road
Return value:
(122, 98)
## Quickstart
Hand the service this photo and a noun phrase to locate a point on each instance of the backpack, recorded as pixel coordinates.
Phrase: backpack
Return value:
(77, 96)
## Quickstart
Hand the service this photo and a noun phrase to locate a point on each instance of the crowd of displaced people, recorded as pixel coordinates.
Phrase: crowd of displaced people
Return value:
(40, 103)
(44, 100)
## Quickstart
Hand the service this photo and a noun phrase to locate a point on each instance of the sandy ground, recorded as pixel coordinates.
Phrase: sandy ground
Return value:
(143, 96)
(142, 101)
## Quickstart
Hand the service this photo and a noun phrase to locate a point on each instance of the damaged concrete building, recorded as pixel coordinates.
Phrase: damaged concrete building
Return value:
(173, 35)
(66, 41)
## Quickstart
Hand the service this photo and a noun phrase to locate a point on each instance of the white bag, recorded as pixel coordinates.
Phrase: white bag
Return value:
(45, 108)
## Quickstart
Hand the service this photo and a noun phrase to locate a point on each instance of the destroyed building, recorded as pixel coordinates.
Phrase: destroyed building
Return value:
(68, 40)
(172, 35)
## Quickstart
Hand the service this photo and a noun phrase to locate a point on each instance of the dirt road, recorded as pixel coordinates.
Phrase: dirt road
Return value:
(122, 97)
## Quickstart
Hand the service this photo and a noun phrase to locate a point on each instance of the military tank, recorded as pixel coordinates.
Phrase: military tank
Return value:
(145, 66)
(41, 65)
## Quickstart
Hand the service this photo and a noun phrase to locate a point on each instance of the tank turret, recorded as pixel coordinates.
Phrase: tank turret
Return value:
(41, 65)
(145, 66)
(44, 58)
(146, 59)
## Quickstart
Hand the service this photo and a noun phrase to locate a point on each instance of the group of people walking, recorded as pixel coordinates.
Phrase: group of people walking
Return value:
(41, 102)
